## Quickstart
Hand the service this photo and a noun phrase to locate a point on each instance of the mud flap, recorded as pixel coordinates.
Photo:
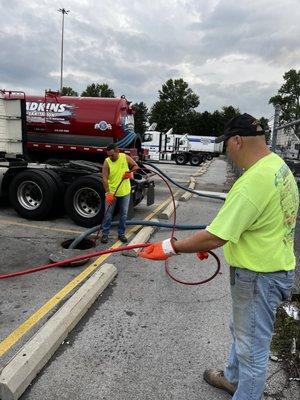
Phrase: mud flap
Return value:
(130, 212)
(150, 194)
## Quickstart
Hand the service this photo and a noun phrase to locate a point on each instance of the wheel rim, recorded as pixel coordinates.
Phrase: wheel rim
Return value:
(195, 160)
(30, 195)
(181, 159)
(87, 202)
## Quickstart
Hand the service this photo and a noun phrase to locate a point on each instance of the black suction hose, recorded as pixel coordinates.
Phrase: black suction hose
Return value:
(210, 196)
(181, 227)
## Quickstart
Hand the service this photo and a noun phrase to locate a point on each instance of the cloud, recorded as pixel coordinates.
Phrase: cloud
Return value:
(251, 97)
(266, 29)
(228, 52)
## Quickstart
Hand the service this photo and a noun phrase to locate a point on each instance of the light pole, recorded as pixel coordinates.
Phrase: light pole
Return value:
(275, 127)
(63, 12)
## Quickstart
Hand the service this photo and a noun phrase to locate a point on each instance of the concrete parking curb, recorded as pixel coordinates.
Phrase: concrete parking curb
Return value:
(26, 364)
(202, 169)
(142, 237)
(187, 195)
(168, 211)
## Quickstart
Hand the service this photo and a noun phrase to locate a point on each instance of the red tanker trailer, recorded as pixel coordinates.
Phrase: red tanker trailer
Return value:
(79, 127)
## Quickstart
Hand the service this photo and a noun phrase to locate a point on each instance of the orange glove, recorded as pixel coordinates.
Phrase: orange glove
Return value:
(202, 255)
(158, 251)
(109, 198)
(128, 175)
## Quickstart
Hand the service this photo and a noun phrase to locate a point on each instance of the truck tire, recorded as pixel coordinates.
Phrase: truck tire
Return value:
(209, 157)
(85, 201)
(32, 193)
(195, 160)
(181, 159)
(58, 208)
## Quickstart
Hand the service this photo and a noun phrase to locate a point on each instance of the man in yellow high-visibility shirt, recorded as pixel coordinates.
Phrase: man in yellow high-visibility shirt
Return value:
(117, 171)
(256, 226)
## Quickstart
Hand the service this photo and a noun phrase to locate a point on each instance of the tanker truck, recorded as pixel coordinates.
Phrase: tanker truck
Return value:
(79, 127)
(51, 153)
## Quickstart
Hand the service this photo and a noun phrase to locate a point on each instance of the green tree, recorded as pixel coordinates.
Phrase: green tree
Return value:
(265, 123)
(96, 90)
(288, 96)
(176, 102)
(193, 123)
(140, 117)
(68, 91)
(229, 112)
(207, 124)
(210, 124)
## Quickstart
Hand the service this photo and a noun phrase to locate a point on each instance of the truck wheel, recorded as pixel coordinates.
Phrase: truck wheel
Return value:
(58, 208)
(32, 193)
(195, 160)
(85, 201)
(181, 159)
(209, 157)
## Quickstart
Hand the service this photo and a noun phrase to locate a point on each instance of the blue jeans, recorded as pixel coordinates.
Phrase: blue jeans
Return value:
(123, 203)
(255, 298)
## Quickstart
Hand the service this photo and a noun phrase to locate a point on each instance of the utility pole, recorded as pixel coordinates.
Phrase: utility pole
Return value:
(63, 12)
(275, 126)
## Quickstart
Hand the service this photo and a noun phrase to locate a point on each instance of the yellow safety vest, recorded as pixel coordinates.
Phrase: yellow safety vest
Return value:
(116, 172)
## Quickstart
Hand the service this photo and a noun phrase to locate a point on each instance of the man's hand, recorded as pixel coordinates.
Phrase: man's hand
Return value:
(109, 198)
(128, 175)
(158, 251)
(202, 255)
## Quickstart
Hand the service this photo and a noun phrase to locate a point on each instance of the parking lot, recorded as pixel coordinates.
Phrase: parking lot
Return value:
(27, 244)
(146, 337)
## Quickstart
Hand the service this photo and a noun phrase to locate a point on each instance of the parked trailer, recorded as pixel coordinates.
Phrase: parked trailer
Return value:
(180, 148)
(37, 191)
(205, 144)
(162, 145)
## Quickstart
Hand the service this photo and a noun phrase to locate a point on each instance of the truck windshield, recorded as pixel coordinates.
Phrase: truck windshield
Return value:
(147, 137)
(128, 123)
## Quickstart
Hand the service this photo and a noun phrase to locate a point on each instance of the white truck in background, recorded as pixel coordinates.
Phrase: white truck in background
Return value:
(205, 144)
(162, 145)
(180, 148)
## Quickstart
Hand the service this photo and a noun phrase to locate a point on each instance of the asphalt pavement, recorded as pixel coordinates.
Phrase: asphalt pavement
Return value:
(146, 337)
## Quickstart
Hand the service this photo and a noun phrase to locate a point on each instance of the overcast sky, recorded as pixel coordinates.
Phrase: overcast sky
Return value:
(229, 52)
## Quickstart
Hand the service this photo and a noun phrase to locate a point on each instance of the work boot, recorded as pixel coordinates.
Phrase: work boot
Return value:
(104, 238)
(123, 238)
(216, 378)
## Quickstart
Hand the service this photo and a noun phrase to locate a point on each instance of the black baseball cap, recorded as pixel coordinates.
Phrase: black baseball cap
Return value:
(242, 125)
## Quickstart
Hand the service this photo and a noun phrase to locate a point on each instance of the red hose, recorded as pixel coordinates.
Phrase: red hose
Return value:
(198, 282)
(73, 259)
(108, 251)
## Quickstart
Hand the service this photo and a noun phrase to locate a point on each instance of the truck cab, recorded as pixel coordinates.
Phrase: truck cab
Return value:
(161, 145)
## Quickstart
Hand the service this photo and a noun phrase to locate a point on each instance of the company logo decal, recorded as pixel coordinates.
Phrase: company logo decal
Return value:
(49, 112)
(103, 126)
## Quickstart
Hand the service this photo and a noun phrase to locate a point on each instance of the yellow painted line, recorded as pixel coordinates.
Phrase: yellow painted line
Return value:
(27, 325)
(47, 228)
(22, 329)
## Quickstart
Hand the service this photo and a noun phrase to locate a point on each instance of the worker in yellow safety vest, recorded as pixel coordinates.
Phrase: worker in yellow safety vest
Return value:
(117, 171)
